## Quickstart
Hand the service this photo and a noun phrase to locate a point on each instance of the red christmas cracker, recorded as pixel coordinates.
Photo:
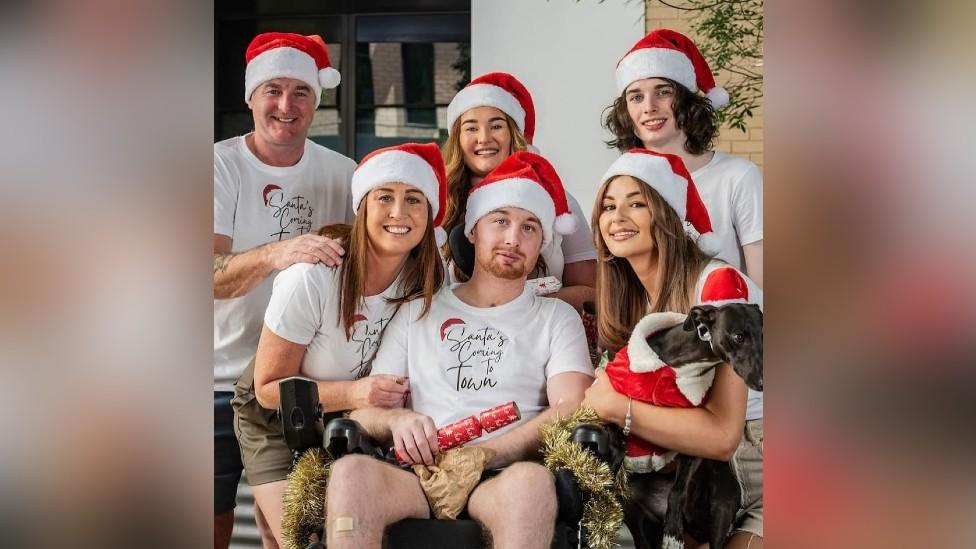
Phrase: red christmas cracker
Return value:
(471, 427)
(495, 418)
(458, 433)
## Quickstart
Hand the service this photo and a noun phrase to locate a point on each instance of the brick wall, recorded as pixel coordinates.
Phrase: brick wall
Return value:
(748, 144)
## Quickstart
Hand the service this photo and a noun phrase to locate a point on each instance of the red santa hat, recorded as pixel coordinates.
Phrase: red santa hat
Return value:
(666, 174)
(523, 180)
(288, 55)
(664, 53)
(420, 165)
(500, 90)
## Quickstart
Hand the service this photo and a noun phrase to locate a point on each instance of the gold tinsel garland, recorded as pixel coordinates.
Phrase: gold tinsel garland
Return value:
(602, 512)
(303, 505)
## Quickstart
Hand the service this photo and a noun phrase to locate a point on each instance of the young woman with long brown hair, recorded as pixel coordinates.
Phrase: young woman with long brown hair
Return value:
(325, 323)
(488, 120)
(654, 238)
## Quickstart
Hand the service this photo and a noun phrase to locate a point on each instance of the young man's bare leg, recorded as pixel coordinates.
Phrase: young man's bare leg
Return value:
(366, 495)
(518, 506)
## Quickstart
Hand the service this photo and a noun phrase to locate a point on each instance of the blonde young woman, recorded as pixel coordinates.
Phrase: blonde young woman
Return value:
(488, 120)
(326, 323)
(654, 237)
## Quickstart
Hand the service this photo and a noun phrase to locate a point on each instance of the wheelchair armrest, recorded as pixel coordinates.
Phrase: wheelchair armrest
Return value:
(346, 436)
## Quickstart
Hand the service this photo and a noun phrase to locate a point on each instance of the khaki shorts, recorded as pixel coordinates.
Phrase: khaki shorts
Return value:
(748, 466)
(265, 455)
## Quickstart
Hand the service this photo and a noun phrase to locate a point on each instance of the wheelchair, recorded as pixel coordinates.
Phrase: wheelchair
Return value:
(305, 428)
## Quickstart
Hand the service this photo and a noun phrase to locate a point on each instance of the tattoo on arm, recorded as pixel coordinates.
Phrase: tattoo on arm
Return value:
(221, 261)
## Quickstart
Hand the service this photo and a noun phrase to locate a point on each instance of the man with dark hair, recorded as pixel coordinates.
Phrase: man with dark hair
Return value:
(484, 342)
(272, 188)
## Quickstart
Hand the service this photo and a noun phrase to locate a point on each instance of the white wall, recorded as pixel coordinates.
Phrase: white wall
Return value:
(565, 53)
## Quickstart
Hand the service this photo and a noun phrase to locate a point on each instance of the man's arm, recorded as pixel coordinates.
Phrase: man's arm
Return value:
(236, 274)
(410, 433)
(753, 255)
(579, 282)
(522, 443)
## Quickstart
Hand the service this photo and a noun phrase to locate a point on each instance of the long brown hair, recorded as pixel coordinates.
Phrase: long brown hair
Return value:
(693, 113)
(422, 275)
(622, 299)
(459, 179)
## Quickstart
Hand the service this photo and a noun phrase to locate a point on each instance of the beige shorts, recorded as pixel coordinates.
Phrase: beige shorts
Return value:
(264, 452)
(748, 466)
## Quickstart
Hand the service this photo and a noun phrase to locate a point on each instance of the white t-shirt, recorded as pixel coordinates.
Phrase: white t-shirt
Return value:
(462, 360)
(719, 283)
(562, 249)
(304, 309)
(255, 204)
(731, 188)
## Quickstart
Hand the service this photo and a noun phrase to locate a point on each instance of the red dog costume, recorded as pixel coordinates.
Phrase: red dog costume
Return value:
(637, 371)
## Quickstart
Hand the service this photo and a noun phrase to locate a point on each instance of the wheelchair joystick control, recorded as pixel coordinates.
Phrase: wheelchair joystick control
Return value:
(594, 438)
(300, 411)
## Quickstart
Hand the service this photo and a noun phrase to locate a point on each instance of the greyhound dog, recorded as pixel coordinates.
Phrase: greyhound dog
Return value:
(703, 494)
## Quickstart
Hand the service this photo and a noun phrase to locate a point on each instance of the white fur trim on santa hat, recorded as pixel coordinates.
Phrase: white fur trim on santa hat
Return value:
(512, 193)
(395, 167)
(656, 63)
(485, 95)
(329, 78)
(642, 356)
(282, 62)
(440, 236)
(718, 96)
(655, 171)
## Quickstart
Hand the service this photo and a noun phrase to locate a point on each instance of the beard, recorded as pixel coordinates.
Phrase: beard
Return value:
(512, 271)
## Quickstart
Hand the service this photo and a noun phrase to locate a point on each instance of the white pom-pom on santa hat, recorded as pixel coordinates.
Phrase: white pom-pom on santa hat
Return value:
(417, 164)
(440, 236)
(719, 97)
(523, 180)
(668, 176)
(273, 55)
(329, 78)
(665, 53)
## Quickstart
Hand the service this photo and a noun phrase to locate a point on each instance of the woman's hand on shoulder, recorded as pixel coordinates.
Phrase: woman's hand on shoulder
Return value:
(379, 391)
(601, 396)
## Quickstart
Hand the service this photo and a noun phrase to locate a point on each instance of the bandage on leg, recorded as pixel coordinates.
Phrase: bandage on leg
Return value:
(343, 526)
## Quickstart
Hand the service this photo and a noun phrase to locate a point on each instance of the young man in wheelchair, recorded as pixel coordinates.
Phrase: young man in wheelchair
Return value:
(485, 342)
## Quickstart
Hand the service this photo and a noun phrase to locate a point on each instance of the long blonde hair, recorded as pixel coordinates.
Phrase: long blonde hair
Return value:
(422, 275)
(621, 298)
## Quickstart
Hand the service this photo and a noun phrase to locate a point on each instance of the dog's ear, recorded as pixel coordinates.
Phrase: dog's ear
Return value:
(758, 310)
(700, 314)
